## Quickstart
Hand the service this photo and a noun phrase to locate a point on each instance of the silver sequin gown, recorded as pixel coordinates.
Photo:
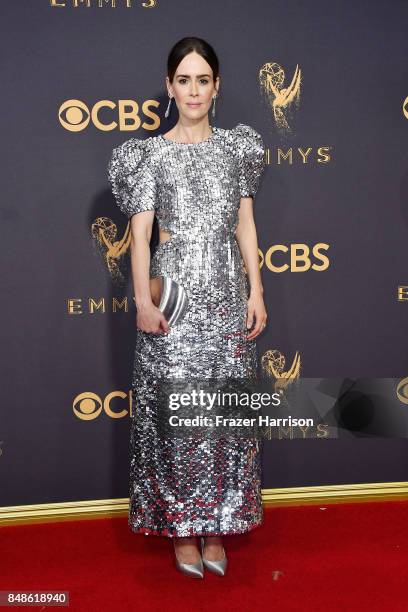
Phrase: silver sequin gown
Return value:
(183, 487)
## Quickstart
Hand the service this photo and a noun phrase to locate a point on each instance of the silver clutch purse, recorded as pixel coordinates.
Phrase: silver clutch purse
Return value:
(170, 298)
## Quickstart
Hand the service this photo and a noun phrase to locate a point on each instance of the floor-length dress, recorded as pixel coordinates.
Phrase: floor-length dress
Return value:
(193, 487)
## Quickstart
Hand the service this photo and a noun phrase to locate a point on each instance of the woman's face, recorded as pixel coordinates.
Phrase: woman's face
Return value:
(193, 87)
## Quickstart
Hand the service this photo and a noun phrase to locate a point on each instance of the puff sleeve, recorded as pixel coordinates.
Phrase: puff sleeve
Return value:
(251, 155)
(131, 178)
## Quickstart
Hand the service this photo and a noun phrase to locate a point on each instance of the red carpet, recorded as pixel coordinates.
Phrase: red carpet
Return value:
(345, 557)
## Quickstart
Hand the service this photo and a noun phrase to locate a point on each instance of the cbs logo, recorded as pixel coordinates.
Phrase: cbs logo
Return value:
(75, 116)
(296, 257)
(402, 390)
(88, 406)
(405, 107)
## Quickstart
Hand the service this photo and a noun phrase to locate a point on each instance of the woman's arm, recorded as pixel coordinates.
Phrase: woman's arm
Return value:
(248, 243)
(149, 317)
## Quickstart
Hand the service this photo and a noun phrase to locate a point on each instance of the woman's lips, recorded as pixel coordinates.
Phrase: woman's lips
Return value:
(193, 104)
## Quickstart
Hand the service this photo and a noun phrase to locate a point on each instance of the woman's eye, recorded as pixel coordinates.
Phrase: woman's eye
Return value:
(202, 81)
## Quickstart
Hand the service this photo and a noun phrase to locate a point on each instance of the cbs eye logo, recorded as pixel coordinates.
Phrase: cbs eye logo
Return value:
(402, 390)
(405, 107)
(75, 116)
(88, 406)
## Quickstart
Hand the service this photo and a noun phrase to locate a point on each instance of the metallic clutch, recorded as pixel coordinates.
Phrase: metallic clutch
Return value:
(170, 298)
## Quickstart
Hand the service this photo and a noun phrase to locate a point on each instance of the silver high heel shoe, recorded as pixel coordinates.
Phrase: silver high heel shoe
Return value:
(218, 567)
(195, 570)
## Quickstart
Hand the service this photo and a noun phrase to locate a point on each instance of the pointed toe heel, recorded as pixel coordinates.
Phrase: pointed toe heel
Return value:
(217, 567)
(194, 570)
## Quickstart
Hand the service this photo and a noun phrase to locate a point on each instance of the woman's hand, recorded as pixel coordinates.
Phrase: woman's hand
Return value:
(257, 312)
(150, 319)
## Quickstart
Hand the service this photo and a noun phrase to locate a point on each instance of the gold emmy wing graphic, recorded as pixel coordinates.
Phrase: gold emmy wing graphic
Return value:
(274, 363)
(279, 98)
(104, 232)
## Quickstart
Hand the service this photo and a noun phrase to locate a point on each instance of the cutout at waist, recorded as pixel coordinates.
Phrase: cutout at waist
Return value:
(164, 236)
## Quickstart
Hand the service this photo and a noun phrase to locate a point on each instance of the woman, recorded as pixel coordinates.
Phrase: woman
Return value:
(200, 181)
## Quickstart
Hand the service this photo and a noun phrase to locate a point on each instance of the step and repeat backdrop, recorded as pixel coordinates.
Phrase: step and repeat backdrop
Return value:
(326, 85)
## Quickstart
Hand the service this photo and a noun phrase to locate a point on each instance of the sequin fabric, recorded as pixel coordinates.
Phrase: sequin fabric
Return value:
(184, 487)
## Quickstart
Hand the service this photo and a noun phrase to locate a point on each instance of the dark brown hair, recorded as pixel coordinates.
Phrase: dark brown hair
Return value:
(187, 45)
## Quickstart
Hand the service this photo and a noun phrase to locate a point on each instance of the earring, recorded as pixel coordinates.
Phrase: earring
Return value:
(213, 108)
(167, 113)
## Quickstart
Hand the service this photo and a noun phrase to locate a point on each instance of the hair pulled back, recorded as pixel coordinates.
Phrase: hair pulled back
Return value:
(187, 45)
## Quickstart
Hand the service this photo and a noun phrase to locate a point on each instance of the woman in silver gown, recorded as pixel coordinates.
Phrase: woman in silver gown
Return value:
(199, 180)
